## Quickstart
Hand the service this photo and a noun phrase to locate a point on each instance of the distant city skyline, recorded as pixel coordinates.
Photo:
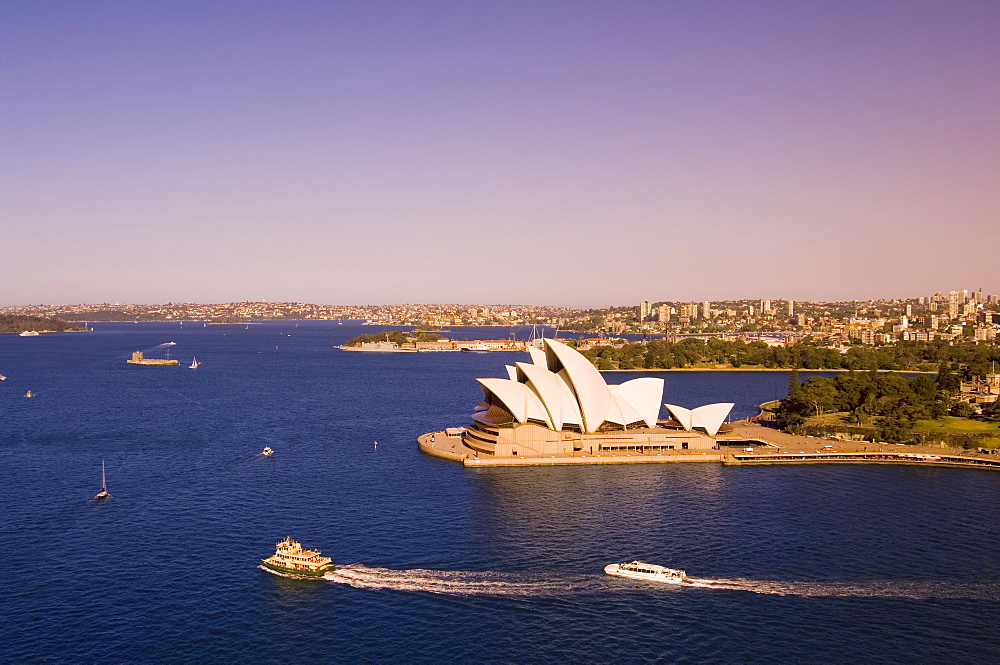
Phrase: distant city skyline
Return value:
(581, 154)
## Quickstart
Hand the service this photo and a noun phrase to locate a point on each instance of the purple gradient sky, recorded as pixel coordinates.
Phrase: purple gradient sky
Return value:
(575, 153)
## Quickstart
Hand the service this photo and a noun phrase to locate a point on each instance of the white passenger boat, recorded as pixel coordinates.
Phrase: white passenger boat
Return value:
(647, 571)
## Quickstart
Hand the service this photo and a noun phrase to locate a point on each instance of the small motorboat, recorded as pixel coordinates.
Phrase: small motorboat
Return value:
(29, 394)
(267, 452)
(647, 571)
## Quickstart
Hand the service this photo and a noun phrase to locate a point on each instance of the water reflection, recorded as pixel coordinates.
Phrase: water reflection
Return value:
(589, 513)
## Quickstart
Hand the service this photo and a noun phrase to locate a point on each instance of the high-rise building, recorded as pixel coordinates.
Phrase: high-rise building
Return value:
(977, 297)
(909, 310)
(791, 308)
(953, 303)
(644, 310)
(765, 306)
(931, 322)
(690, 311)
(663, 313)
(750, 312)
(706, 310)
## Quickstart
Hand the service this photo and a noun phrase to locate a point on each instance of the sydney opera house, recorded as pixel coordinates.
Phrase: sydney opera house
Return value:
(559, 404)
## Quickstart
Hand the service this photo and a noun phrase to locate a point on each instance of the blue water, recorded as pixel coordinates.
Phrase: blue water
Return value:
(864, 564)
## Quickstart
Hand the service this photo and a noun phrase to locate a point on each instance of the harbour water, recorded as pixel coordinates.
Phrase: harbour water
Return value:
(439, 563)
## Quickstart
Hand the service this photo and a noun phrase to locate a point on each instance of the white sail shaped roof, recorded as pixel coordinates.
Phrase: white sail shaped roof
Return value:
(537, 356)
(519, 399)
(681, 415)
(621, 412)
(592, 393)
(710, 417)
(561, 387)
(644, 395)
(550, 389)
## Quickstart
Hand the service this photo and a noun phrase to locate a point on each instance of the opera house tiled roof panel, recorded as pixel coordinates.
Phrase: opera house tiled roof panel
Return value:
(561, 388)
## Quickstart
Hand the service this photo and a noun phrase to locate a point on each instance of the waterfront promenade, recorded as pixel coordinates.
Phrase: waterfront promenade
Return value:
(746, 444)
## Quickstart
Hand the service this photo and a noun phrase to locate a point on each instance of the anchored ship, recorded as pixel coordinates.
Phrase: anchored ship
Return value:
(290, 559)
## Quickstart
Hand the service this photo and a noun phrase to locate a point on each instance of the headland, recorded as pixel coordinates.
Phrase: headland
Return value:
(558, 409)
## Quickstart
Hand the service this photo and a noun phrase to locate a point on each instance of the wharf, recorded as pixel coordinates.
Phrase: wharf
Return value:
(874, 457)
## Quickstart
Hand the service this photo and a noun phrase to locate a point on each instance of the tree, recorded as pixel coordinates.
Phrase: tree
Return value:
(946, 379)
(962, 410)
(819, 393)
(991, 411)
(793, 381)
(896, 429)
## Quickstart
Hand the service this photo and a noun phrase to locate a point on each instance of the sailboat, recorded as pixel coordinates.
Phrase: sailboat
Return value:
(194, 363)
(103, 494)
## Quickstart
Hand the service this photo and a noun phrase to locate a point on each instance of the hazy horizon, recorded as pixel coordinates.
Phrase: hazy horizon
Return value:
(574, 154)
(468, 303)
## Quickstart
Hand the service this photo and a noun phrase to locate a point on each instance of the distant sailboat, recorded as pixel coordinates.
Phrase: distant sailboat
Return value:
(103, 494)
(194, 364)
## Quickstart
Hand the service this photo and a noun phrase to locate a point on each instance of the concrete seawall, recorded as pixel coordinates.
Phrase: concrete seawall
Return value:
(747, 444)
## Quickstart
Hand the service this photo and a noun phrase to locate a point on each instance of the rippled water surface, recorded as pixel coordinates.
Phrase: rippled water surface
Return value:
(438, 563)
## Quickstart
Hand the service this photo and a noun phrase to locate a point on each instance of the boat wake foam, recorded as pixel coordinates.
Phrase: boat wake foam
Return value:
(528, 584)
(893, 589)
(456, 582)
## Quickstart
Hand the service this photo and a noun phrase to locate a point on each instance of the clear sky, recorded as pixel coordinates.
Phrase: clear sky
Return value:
(574, 153)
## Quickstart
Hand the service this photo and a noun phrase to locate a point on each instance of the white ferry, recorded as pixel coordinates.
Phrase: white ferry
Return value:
(289, 558)
(647, 571)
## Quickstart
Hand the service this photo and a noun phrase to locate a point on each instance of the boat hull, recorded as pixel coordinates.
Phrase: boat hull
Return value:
(614, 569)
(292, 571)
